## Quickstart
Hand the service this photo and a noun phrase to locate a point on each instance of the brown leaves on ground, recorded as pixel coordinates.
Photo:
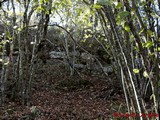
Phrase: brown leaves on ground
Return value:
(95, 99)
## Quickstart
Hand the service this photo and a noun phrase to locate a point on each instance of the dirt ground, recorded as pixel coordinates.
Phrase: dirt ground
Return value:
(58, 96)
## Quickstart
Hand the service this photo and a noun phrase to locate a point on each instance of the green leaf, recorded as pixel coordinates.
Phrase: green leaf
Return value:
(158, 49)
(47, 12)
(148, 44)
(150, 33)
(118, 22)
(127, 28)
(41, 1)
(104, 2)
(145, 74)
(141, 31)
(119, 5)
(86, 36)
(96, 6)
(83, 41)
(39, 8)
(123, 14)
(69, 2)
(136, 71)
(20, 29)
(151, 54)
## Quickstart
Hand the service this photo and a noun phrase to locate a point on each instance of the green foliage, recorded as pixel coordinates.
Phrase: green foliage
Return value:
(83, 41)
(150, 33)
(42, 8)
(145, 74)
(136, 71)
(118, 5)
(96, 6)
(104, 2)
(148, 44)
(41, 1)
(127, 28)
(123, 14)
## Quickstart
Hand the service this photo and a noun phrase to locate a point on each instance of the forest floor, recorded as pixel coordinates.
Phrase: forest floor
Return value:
(58, 96)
